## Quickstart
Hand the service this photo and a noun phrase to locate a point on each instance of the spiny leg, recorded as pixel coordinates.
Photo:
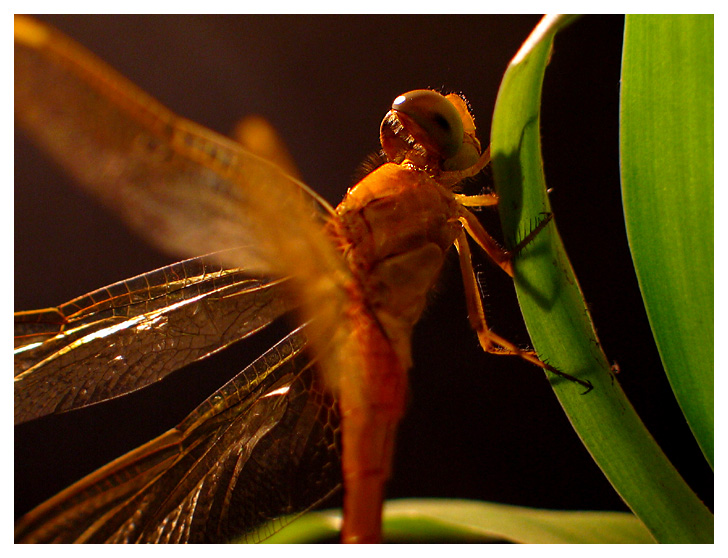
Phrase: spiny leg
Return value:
(489, 341)
(501, 257)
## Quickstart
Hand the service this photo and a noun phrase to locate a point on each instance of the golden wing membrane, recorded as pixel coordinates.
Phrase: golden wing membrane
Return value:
(187, 189)
(133, 333)
(262, 449)
(183, 187)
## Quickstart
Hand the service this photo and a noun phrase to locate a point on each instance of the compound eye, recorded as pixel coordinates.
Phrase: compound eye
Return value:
(436, 118)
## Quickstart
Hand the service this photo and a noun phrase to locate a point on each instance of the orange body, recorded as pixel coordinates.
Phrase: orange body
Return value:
(394, 228)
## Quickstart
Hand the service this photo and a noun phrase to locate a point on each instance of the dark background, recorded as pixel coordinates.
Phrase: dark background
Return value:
(478, 426)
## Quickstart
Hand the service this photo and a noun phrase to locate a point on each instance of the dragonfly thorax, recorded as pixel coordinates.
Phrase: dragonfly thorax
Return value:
(395, 227)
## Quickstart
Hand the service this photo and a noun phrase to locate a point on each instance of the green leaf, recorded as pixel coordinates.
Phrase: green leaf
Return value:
(312, 527)
(558, 320)
(469, 521)
(667, 188)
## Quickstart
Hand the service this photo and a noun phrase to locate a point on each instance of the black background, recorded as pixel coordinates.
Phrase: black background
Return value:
(478, 426)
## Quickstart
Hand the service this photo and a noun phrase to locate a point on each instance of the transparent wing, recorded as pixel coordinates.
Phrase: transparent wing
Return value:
(183, 187)
(262, 448)
(168, 177)
(133, 333)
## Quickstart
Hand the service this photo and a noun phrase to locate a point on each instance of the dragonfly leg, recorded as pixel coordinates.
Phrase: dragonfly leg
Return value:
(501, 257)
(490, 341)
(481, 200)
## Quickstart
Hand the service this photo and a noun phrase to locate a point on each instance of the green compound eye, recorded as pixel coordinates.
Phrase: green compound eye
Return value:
(437, 118)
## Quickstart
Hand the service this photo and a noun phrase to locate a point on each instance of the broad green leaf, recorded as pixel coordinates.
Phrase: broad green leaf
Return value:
(471, 521)
(558, 320)
(667, 188)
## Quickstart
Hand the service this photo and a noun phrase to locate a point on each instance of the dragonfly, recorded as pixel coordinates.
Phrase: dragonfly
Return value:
(331, 391)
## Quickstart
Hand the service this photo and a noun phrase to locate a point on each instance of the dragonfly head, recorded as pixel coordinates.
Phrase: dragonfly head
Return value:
(433, 131)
